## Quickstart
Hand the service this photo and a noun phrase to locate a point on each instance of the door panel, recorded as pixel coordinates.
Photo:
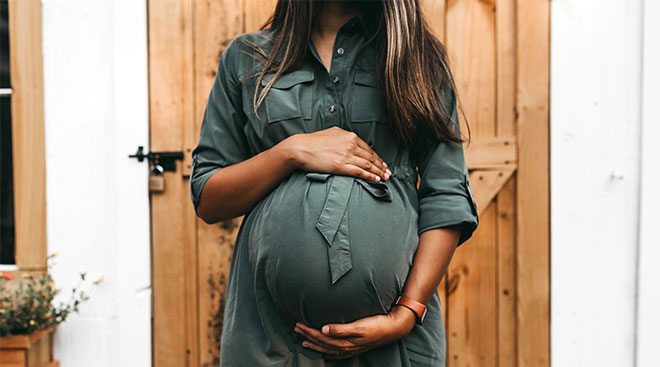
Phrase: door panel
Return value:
(173, 225)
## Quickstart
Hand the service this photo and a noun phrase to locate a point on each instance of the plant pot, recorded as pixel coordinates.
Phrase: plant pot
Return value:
(32, 350)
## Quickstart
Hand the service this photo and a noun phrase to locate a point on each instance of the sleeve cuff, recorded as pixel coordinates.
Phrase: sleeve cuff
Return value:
(441, 210)
(197, 183)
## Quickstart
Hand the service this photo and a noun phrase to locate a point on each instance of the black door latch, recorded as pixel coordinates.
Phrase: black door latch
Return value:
(166, 160)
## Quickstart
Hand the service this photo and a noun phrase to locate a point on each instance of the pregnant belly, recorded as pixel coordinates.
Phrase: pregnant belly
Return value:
(333, 248)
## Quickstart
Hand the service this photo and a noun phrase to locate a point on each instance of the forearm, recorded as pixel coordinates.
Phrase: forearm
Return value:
(233, 190)
(434, 252)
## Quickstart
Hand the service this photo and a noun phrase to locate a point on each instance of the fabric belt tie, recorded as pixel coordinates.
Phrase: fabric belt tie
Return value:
(333, 221)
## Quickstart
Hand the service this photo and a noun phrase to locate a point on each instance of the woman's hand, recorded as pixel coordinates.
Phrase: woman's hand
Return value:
(339, 341)
(335, 150)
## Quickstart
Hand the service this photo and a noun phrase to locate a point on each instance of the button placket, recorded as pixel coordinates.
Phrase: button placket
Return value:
(335, 64)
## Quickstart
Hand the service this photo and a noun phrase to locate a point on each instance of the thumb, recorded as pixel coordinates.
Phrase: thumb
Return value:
(340, 330)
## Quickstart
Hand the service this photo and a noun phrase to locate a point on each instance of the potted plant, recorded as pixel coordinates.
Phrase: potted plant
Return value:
(28, 316)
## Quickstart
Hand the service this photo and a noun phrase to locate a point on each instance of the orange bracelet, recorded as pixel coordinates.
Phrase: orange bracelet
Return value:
(418, 308)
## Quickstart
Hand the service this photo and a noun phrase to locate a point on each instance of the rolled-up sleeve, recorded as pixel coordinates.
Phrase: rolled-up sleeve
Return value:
(222, 140)
(444, 193)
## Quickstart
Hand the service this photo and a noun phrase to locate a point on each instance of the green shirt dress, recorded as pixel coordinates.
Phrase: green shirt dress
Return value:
(325, 248)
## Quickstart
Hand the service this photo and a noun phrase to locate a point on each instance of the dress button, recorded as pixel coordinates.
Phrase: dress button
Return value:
(335, 80)
(332, 108)
(340, 51)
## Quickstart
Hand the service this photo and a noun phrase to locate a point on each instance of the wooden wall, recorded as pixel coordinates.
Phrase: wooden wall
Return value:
(496, 294)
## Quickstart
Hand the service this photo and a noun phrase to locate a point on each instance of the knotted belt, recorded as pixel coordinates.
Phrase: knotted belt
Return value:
(333, 221)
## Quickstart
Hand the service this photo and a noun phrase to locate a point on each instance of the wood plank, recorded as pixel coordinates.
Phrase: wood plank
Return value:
(257, 12)
(506, 198)
(492, 153)
(212, 35)
(15, 342)
(24, 341)
(13, 358)
(506, 67)
(214, 242)
(473, 318)
(470, 44)
(533, 183)
(435, 14)
(26, 68)
(472, 302)
(39, 354)
(173, 224)
(486, 185)
(506, 275)
(32, 350)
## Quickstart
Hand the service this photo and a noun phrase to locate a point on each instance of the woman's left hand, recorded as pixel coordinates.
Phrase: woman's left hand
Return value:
(339, 341)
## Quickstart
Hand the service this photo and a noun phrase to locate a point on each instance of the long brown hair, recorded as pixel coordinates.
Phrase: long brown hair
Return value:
(414, 70)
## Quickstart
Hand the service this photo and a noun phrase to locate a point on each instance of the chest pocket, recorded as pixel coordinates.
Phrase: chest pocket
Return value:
(368, 103)
(290, 97)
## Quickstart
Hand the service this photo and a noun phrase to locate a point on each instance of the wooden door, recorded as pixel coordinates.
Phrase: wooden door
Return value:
(496, 294)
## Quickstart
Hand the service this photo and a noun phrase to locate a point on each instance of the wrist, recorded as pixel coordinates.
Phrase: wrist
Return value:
(289, 153)
(404, 318)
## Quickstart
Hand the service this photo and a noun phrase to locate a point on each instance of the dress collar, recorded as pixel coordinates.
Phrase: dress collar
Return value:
(364, 22)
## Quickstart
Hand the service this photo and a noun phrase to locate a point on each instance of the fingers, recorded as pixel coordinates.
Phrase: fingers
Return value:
(368, 162)
(377, 159)
(332, 353)
(356, 157)
(342, 330)
(358, 171)
(325, 341)
(365, 169)
(366, 152)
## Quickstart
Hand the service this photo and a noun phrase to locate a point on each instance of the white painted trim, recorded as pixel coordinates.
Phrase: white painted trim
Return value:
(648, 308)
(131, 99)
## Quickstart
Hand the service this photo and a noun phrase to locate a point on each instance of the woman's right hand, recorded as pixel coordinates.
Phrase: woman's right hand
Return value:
(335, 150)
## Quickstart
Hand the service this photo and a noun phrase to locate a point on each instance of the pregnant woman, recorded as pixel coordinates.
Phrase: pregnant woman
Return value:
(334, 131)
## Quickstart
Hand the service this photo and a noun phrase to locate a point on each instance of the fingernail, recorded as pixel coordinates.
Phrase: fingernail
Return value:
(388, 171)
(296, 330)
(305, 345)
(326, 329)
(384, 164)
(377, 178)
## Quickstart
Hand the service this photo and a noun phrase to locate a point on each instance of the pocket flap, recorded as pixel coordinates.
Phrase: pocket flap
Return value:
(366, 78)
(289, 79)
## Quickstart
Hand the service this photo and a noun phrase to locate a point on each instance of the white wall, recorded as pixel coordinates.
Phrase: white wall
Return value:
(596, 123)
(648, 316)
(96, 112)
